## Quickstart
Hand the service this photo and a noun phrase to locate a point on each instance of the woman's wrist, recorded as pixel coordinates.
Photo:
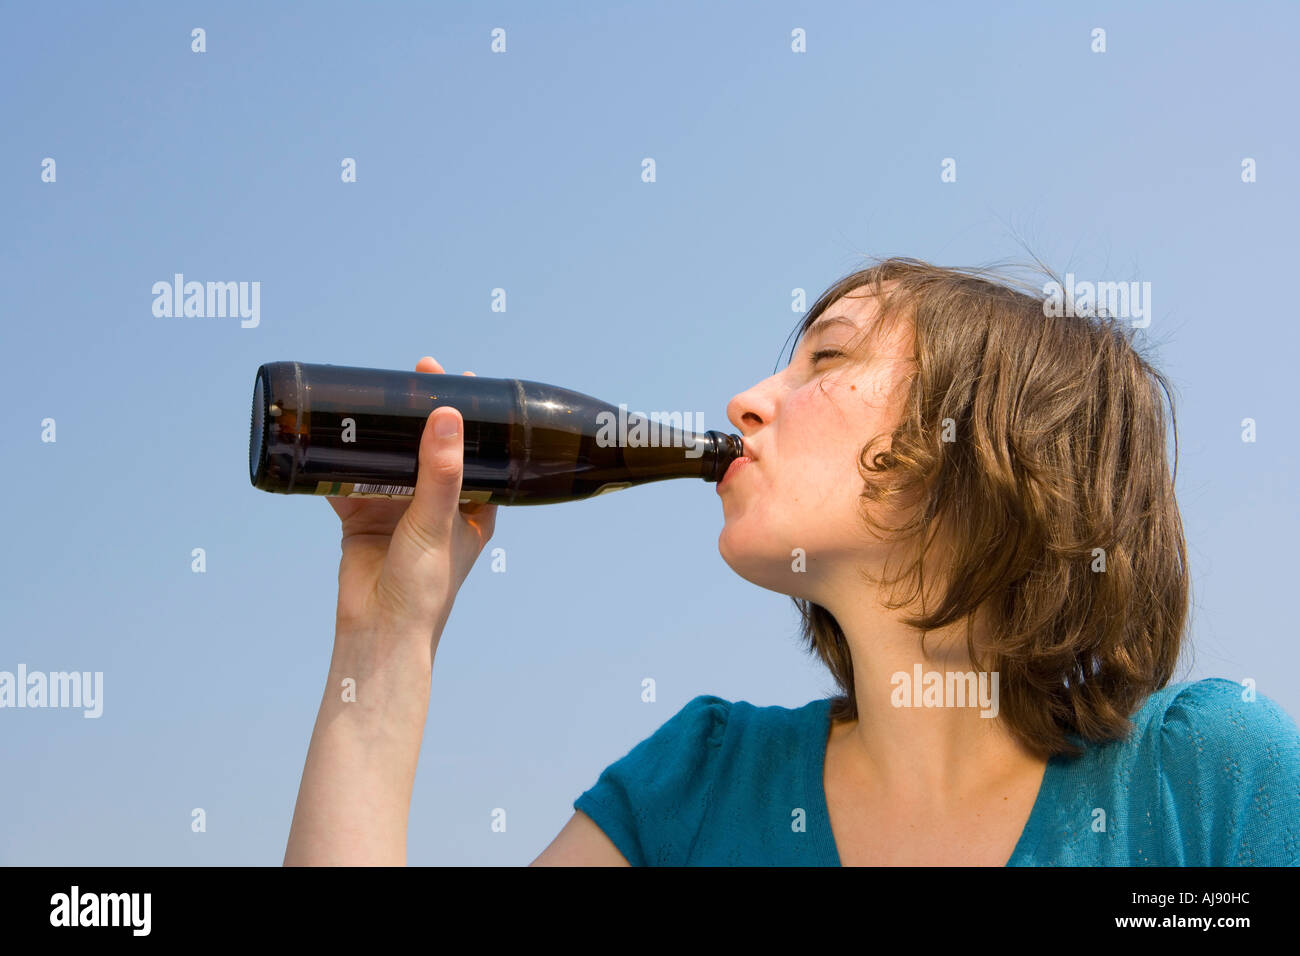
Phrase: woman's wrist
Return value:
(378, 635)
(385, 673)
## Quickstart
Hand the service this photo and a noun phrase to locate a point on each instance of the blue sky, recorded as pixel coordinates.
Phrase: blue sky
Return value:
(521, 170)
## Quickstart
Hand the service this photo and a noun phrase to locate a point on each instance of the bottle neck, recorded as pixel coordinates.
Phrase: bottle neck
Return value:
(680, 454)
(720, 451)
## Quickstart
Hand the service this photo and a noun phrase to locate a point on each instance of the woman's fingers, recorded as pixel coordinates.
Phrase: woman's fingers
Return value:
(430, 364)
(416, 561)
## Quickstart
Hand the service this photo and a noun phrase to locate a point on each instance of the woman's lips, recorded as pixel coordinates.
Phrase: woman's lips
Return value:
(734, 467)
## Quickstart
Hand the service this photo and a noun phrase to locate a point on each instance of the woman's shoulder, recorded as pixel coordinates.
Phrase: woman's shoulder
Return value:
(1225, 736)
(1214, 723)
(711, 717)
(1224, 719)
(721, 709)
(1209, 775)
(1224, 770)
(1208, 714)
(687, 745)
(1210, 732)
(653, 801)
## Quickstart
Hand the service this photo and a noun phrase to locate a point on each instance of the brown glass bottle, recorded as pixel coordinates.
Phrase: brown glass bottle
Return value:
(355, 432)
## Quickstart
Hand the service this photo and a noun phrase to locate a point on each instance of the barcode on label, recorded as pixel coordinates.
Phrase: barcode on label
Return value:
(402, 490)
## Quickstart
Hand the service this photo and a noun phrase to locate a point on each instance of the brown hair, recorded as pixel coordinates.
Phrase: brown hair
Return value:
(1030, 439)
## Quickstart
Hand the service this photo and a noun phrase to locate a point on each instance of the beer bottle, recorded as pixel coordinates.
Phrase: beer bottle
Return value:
(355, 432)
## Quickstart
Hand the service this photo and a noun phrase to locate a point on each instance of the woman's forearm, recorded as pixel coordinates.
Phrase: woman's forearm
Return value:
(355, 798)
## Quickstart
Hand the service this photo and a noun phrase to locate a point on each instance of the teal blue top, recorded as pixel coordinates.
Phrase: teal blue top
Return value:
(1204, 779)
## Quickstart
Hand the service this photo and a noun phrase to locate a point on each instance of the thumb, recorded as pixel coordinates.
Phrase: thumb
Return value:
(426, 525)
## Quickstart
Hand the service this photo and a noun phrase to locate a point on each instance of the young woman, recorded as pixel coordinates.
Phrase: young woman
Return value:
(967, 497)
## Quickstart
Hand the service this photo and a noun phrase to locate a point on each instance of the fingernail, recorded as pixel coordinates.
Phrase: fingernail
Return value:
(445, 426)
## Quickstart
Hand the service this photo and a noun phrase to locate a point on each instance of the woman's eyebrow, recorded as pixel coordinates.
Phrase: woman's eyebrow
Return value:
(821, 325)
(826, 321)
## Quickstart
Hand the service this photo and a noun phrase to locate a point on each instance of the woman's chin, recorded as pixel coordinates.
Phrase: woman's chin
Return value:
(760, 566)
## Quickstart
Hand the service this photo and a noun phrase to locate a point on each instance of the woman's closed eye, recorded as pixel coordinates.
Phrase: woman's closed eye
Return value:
(823, 354)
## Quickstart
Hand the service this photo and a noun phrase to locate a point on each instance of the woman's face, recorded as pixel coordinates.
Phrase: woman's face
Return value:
(804, 428)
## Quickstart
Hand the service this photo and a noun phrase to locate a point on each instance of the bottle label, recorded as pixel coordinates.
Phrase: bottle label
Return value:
(349, 489)
(611, 486)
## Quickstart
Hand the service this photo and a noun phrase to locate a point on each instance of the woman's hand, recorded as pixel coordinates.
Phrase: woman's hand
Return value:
(404, 561)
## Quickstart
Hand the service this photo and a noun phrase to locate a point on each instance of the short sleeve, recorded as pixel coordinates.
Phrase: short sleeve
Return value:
(652, 802)
(1231, 771)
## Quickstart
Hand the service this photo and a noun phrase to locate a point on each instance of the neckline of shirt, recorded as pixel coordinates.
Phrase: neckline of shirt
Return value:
(815, 796)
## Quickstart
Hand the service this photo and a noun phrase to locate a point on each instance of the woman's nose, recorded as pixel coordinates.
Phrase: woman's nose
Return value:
(749, 410)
